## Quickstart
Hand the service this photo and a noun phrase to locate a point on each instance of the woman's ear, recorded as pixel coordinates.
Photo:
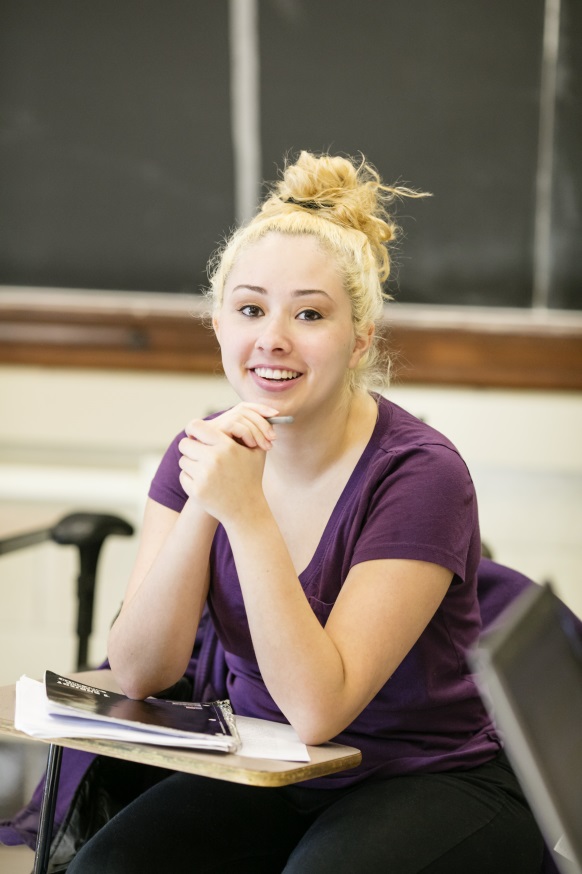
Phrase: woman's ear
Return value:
(362, 343)
(216, 326)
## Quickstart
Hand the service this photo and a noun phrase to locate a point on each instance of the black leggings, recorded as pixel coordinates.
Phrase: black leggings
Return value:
(452, 823)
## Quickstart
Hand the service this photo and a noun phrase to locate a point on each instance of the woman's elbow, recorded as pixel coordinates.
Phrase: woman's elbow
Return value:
(314, 729)
(135, 677)
(130, 681)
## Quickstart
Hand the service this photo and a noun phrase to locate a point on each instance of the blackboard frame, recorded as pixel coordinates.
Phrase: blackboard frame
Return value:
(170, 333)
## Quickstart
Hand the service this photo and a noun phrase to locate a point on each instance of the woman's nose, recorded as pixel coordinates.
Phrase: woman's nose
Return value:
(273, 336)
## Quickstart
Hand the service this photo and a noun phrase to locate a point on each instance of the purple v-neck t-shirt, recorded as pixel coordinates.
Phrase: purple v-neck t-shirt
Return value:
(410, 496)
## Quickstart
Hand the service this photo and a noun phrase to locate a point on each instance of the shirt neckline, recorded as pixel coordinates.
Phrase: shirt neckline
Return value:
(382, 421)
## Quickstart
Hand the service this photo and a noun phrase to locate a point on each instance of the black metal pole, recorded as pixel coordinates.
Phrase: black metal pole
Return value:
(88, 559)
(47, 810)
(19, 541)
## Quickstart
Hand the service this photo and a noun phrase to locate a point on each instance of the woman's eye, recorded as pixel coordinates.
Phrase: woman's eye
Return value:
(251, 310)
(309, 315)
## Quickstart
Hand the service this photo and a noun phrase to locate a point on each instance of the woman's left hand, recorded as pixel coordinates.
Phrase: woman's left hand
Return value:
(221, 474)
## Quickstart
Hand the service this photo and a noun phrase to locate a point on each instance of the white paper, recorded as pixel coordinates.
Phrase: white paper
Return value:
(260, 739)
(281, 741)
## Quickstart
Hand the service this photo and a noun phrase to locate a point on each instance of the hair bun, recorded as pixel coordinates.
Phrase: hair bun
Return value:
(344, 190)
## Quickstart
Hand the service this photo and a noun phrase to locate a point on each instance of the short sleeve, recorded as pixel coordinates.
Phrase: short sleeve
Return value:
(165, 487)
(423, 507)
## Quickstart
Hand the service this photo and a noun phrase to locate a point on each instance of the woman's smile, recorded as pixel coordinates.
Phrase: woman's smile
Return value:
(275, 373)
(275, 379)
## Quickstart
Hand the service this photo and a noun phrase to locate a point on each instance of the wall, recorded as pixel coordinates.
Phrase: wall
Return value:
(91, 439)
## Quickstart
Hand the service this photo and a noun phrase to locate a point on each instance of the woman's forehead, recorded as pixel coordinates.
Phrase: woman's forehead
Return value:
(298, 258)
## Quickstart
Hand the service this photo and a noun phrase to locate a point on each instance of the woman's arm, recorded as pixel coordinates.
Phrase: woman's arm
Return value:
(322, 678)
(152, 639)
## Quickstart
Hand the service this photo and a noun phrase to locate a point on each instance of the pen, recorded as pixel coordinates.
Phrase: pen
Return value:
(280, 420)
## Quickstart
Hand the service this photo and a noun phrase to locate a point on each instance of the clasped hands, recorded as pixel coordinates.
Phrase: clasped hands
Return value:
(222, 459)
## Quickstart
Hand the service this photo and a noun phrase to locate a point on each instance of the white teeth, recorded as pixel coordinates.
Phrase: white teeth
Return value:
(268, 373)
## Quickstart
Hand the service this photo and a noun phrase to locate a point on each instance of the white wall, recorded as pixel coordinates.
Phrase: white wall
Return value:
(73, 440)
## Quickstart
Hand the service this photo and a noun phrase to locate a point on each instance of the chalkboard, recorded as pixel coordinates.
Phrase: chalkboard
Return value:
(443, 96)
(116, 167)
(116, 157)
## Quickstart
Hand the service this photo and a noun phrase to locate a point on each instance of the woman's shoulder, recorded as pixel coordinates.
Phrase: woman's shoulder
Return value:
(408, 453)
(165, 486)
(400, 431)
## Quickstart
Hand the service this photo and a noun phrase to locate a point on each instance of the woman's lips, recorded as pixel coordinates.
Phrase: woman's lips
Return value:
(274, 378)
(276, 373)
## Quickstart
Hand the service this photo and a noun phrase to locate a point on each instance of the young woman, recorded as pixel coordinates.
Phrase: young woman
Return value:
(338, 557)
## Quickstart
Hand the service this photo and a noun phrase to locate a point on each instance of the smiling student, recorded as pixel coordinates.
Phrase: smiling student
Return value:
(337, 554)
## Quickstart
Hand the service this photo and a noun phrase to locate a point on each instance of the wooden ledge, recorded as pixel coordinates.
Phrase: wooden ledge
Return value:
(431, 345)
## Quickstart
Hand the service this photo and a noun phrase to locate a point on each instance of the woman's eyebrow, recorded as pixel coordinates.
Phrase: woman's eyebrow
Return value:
(245, 287)
(300, 292)
(305, 291)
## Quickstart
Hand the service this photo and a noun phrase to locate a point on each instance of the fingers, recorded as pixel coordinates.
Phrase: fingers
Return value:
(220, 473)
(263, 410)
(253, 434)
(245, 423)
(194, 451)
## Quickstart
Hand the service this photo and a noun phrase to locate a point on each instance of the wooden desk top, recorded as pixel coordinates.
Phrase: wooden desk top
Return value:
(325, 759)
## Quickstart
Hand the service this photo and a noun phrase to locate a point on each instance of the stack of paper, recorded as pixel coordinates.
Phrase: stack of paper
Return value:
(64, 708)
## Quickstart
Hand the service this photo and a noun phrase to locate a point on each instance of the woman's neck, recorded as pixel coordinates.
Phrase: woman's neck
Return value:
(306, 450)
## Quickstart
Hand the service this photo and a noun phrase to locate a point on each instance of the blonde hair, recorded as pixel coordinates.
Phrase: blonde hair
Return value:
(344, 204)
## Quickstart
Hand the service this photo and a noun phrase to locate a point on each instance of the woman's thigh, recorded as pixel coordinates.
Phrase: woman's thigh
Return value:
(186, 823)
(449, 823)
